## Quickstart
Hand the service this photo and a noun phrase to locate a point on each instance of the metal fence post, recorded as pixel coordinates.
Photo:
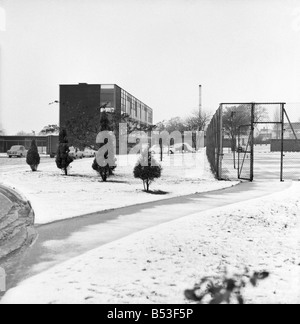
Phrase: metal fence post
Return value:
(221, 141)
(252, 142)
(282, 142)
(239, 145)
(216, 147)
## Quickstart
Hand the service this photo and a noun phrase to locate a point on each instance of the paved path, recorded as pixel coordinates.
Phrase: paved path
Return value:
(60, 241)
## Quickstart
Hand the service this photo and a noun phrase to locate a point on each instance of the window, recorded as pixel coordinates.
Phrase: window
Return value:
(128, 105)
(135, 108)
(123, 101)
(142, 112)
(107, 97)
(150, 117)
(123, 107)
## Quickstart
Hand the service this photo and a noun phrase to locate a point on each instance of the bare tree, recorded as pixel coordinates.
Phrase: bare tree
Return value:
(174, 124)
(237, 116)
(133, 125)
(277, 127)
(198, 121)
(23, 133)
(83, 129)
(50, 130)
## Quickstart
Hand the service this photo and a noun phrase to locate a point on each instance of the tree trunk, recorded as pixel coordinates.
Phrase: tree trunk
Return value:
(34, 168)
(233, 148)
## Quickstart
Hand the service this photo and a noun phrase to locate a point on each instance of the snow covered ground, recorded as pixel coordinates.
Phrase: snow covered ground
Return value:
(56, 197)
(266, 165)
(158, 264)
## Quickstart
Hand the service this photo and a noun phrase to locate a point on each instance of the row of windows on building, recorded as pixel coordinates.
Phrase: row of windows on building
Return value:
(135, 108)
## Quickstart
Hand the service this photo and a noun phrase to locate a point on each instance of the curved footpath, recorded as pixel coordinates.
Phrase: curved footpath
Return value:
(63, 240)
(16, 226)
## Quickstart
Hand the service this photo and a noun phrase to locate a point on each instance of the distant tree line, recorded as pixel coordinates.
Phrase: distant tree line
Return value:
(196, 121)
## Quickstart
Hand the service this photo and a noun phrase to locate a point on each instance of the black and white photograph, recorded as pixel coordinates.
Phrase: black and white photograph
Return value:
(149, 154)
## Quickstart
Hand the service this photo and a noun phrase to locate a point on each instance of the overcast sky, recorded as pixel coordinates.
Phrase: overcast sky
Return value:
(158, 50)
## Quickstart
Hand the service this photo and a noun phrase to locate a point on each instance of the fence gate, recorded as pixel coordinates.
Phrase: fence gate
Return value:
(245, 152)
(254, 140)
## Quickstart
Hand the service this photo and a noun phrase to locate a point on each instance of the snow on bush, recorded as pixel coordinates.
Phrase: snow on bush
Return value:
(147, 169)
(63, 159)
(105, 164)
(33, 158)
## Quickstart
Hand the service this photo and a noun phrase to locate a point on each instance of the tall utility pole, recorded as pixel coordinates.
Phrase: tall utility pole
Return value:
(200, 100)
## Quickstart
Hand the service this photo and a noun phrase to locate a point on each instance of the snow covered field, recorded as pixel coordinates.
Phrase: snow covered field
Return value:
(266, 165)
(158, 264)
(56, 197)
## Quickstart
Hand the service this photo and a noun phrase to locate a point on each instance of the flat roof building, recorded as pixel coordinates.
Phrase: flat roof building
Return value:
(46, 144)
(90, 97)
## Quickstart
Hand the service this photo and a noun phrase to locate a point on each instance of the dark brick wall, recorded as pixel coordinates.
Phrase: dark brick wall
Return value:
(77, 98)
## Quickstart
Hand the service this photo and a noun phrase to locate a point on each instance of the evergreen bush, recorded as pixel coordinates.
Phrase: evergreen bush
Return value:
(105, 168)
(147, 169)
(33, 158)
(63, 159)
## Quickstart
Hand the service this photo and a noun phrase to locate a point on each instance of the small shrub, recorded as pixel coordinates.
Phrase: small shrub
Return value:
(105, 169)
(224, 289)
(63, 159)
(33, 158)
(147, 169)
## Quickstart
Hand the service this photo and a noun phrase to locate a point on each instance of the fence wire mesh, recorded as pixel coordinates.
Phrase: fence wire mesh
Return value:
(291, 143)
(255, 140)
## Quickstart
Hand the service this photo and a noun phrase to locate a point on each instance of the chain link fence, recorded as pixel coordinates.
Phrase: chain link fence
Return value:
(254, 140)
(291, 143)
